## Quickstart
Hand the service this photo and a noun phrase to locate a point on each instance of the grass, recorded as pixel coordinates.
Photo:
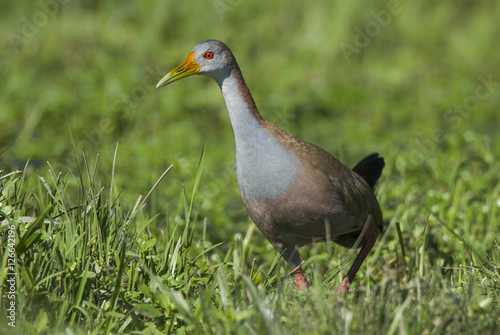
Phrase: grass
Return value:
(94, 256)
(92, 266)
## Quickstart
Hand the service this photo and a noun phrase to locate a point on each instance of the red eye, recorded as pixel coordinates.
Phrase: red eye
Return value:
(208, 55)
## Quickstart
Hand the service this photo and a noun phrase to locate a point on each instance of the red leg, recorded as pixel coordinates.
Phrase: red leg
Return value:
(368, 241)
(300, 279)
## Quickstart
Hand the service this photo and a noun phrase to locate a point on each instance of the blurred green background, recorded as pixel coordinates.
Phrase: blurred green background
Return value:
(352, 77)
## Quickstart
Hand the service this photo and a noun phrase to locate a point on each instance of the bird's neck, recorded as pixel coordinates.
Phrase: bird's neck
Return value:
(265, 168)
(240, 105)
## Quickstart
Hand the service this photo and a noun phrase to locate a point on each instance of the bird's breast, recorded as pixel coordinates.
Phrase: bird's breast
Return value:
(265, 169)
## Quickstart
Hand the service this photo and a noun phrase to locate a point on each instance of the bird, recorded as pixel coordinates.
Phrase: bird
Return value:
(295, 192)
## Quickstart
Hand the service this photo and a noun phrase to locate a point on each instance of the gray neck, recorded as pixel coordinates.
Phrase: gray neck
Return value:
(265, 169)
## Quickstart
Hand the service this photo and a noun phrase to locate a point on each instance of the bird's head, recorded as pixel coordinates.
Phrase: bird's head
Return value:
(211, 58)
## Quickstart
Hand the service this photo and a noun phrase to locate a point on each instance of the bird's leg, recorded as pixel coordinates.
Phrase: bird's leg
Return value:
(300, 278)
(368, 242)
(291, 255)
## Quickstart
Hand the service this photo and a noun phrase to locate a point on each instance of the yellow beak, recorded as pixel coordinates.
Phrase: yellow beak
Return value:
(188, 68)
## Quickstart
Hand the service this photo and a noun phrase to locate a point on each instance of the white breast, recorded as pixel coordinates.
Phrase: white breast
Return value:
(265, 169)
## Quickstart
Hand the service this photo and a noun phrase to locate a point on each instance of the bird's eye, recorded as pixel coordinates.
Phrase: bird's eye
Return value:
(208, 55)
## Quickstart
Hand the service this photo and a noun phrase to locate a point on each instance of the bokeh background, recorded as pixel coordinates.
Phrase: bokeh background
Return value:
(416, 81)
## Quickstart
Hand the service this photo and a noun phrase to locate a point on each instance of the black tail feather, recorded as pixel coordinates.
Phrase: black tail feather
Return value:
(370, 169)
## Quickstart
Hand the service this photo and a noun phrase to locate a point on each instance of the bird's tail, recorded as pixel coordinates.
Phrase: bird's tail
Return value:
(370, 168)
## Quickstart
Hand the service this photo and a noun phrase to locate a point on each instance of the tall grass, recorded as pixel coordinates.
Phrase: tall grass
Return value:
(85, 264)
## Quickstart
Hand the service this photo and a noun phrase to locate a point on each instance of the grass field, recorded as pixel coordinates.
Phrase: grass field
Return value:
(119, 207)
